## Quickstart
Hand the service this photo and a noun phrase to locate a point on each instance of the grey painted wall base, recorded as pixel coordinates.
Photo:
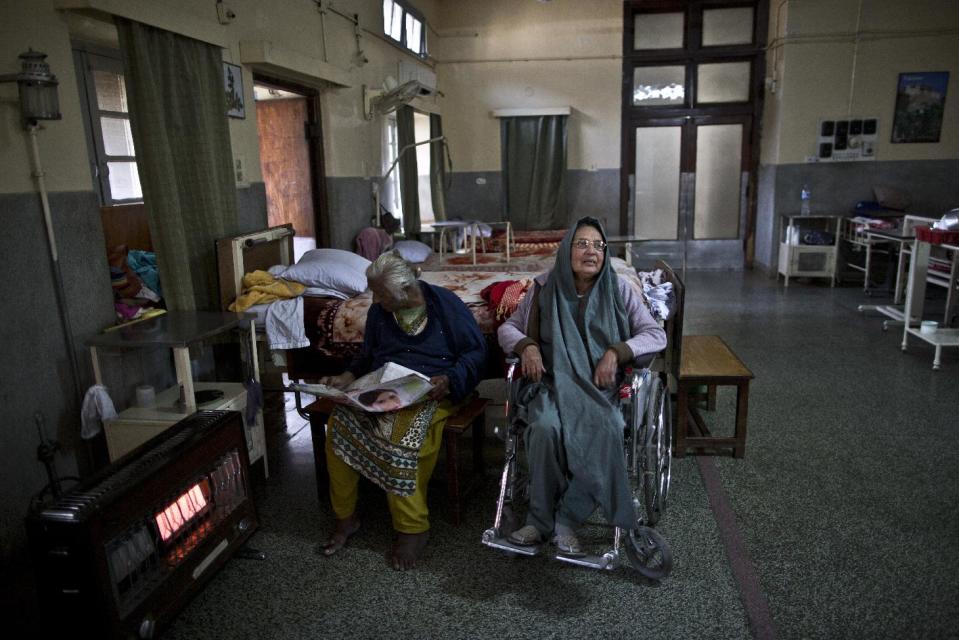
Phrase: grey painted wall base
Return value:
(350, 202)
(35, 372)
(836, 188)
(479, 195)
(476, 195)
(251, 208)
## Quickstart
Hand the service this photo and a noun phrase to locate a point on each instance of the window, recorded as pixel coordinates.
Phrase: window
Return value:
(404, 25)
(421, 125)
(392, 197)
(107, 124)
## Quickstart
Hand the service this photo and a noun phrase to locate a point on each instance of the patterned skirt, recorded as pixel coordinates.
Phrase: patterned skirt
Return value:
(383, 447)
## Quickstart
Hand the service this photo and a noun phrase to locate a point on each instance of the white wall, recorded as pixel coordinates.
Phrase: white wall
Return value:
(502, 54)
(835, 59)
(292, 26)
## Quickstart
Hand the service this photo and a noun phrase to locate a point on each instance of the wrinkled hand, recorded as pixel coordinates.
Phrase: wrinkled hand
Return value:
(441, 387)
(605, 375)
(338, 382)
(532, 363)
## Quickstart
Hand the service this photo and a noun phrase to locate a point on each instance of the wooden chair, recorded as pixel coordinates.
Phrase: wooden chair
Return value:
(674, 324)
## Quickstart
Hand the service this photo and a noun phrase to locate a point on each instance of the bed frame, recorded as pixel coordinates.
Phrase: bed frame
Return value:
(242, 254)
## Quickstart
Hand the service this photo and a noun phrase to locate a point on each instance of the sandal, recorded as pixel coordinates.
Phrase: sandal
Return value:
(526, 536)
(568, 545)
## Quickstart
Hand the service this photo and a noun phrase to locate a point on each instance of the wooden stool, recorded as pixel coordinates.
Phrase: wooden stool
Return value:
(470, 415)
(707, 360)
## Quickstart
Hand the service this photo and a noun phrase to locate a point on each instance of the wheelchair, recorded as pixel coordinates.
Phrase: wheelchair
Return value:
(647, 438)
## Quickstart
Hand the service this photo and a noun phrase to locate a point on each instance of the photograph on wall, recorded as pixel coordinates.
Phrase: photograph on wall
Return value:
(920, 102)
(233, 85)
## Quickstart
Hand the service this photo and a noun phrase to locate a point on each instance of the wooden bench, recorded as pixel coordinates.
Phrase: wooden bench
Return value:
(470, 417)
(707, 360)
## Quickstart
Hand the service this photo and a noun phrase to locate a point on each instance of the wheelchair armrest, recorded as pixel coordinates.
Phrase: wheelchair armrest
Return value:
(643, 361)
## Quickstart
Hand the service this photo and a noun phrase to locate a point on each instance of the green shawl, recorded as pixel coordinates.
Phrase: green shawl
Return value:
(570, 356)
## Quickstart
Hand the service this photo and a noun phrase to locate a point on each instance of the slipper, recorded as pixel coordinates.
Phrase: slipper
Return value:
(526, 536)
(568, 545)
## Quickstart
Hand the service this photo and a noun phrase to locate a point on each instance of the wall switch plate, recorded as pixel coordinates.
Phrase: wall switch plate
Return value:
(481, 181)
(239, 171)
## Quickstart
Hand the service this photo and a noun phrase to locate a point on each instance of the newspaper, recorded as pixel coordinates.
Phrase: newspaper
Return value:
(389, 388)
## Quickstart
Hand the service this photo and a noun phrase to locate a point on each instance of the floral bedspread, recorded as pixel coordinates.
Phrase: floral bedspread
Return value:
(338, 326)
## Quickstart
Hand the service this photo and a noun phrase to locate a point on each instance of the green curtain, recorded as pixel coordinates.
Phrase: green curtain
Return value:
(534, 171)
(178, 114)
(409, 181)
(438, 176)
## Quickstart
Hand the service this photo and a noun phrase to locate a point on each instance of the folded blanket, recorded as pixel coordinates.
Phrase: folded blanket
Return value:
(261, 287)
(504, 296)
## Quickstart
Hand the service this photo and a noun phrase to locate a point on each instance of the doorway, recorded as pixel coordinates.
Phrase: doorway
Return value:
(291, 160)
(692, 99)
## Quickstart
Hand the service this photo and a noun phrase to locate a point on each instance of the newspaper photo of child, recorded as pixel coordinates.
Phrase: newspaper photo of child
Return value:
(381, 399)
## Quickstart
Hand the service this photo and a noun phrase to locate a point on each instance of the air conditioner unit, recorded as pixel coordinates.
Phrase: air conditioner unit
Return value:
(414, 71)
(380, 101)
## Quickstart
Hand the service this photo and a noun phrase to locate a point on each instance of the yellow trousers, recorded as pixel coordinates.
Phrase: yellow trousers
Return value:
(410, 513)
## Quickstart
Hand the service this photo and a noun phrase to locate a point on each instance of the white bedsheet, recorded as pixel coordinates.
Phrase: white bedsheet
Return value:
(284, 324)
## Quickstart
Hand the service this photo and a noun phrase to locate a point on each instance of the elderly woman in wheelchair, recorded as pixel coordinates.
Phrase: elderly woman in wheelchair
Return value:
(573, 331)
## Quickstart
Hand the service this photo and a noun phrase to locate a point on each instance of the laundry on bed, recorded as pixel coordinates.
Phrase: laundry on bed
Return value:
(284, 325)
(260, 287)
(659, 292)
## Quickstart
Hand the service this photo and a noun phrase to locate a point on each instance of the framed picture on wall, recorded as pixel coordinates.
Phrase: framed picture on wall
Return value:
(233, 85)
(920, 101)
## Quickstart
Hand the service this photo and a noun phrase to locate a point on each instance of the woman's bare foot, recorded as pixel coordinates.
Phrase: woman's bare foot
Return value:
(341, 533)
(407, 548)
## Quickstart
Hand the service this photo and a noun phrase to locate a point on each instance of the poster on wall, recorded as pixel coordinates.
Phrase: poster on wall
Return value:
(233, 85)
(920, 101)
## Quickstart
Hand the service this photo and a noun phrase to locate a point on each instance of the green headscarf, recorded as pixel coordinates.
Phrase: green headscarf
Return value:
(571, 352)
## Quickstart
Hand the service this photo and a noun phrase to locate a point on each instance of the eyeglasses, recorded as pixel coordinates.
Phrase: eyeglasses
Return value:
(582, 244)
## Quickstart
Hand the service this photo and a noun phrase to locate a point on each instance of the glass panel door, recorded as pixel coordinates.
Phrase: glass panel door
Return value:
(692, 91)
(718, 177)
(688, 194)
(656, 193)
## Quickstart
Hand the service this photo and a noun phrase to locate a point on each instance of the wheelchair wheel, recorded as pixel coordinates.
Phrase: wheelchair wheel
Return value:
(649, 553)
(657, 456)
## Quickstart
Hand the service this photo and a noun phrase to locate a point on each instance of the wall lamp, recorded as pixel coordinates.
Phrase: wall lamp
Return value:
(38, 88)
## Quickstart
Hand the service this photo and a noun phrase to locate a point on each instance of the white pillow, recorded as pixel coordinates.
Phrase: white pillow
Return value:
(333, 269)
(412, 250)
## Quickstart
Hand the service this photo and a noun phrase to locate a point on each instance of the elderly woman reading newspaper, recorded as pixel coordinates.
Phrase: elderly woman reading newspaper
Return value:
(429, 330)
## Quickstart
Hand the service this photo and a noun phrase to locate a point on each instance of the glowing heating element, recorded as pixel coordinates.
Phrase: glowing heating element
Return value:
(181, 511)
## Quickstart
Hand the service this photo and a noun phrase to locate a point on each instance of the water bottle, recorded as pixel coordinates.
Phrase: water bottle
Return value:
(805, 195)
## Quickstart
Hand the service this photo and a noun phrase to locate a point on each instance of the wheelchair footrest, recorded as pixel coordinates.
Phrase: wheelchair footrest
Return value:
(609, 560)
(490, 539)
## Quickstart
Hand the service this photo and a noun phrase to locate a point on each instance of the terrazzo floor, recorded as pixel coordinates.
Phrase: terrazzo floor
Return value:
(844, 511)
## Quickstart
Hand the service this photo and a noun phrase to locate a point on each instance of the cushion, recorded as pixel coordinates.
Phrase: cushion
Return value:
(412, 250)
(332, 269)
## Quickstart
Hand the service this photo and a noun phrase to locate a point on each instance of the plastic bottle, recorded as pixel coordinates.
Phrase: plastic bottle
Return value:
(805, 196)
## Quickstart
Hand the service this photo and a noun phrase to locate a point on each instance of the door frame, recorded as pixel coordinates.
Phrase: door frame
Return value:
(690, 56)
(314, 138)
